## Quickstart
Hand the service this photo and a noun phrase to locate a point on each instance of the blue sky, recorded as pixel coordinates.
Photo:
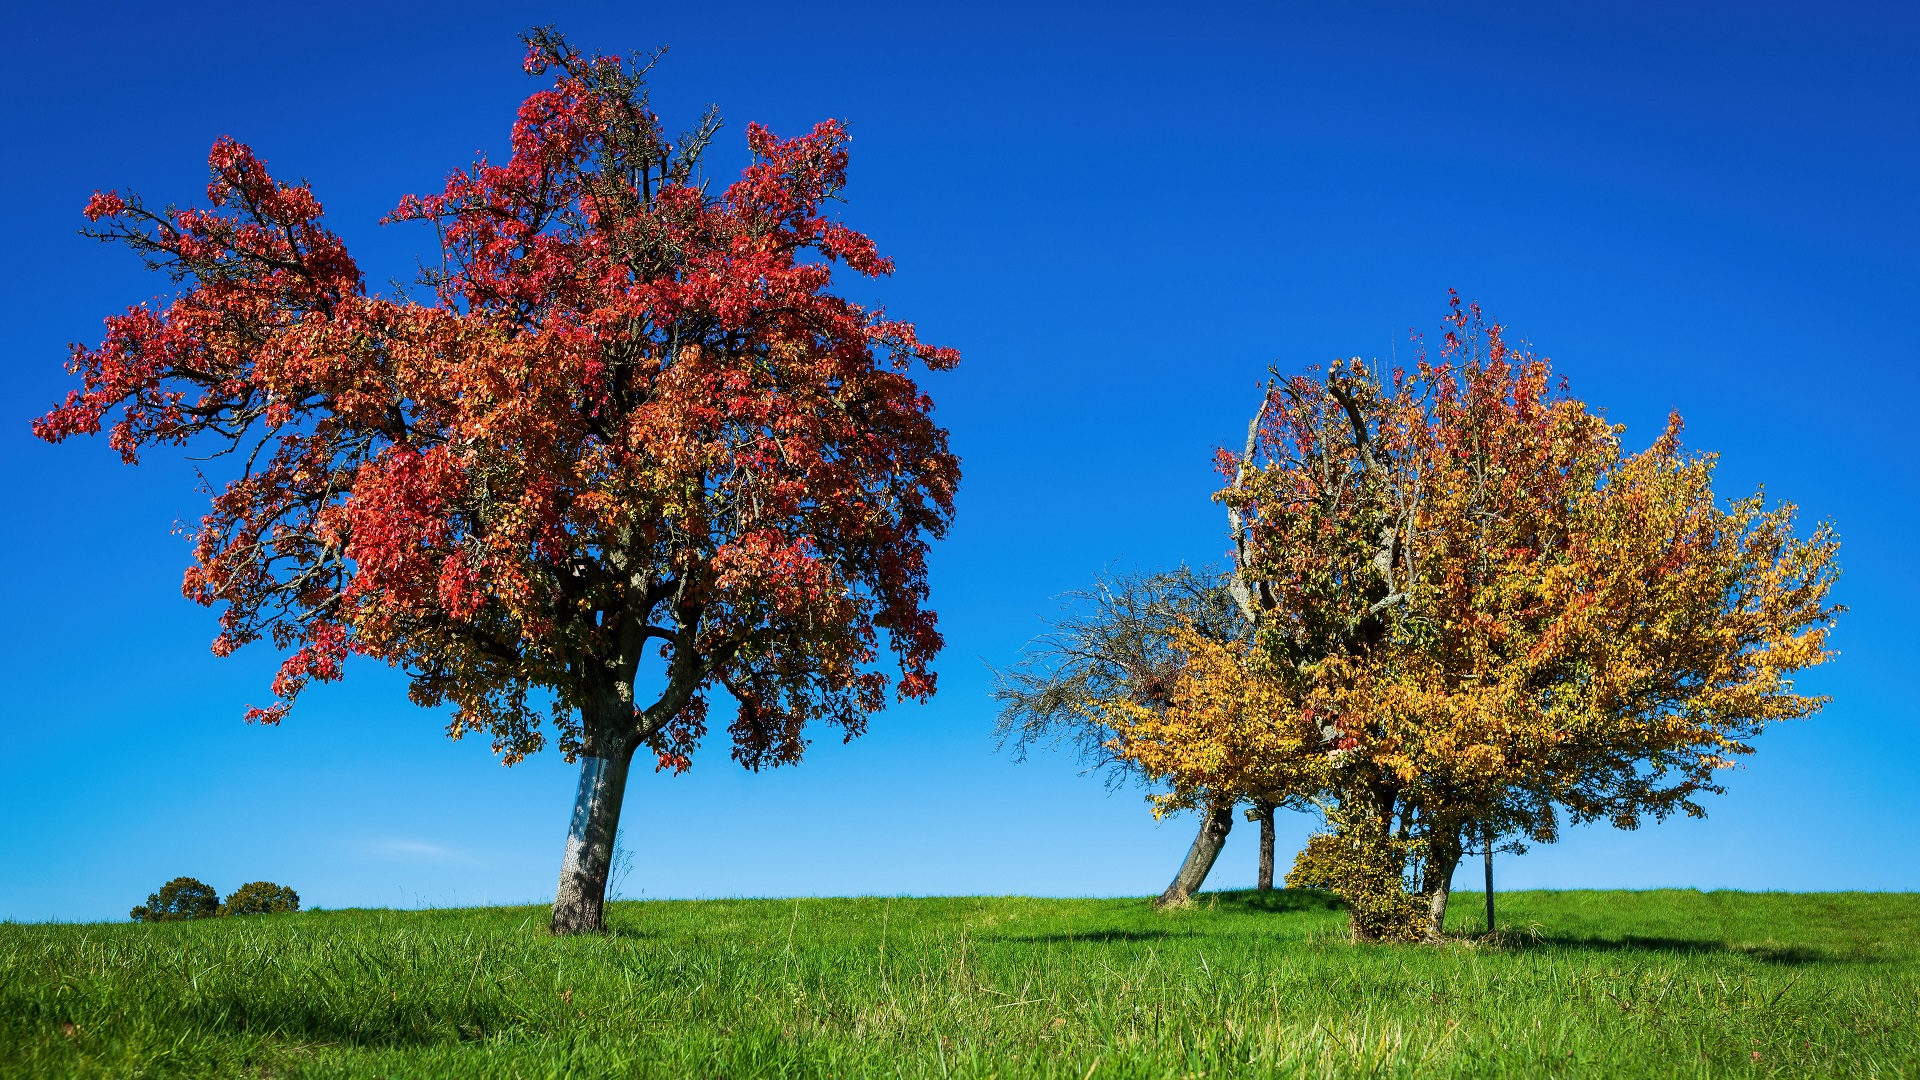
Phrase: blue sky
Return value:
(1120, 216)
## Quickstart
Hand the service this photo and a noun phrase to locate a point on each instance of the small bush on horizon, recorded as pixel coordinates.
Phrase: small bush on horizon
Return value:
(261, 898)
(181, 898)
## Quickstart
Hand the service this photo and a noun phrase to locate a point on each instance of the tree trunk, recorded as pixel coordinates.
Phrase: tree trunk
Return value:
(1442, 858)
(1489, 853)
(1265, 881)
(579, 901)
(1214, 826)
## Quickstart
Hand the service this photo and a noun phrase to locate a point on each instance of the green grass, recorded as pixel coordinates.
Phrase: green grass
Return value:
(1600, 984)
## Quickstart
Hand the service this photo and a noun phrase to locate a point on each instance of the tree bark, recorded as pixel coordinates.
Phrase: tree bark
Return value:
(580, 900)
(1214, 826)
(1265, 881)
(1443, 856)
(1488, 846)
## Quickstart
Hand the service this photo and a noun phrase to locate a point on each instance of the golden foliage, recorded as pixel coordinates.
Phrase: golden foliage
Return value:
(1476, 617)
(1223, 727)
(1364, 868)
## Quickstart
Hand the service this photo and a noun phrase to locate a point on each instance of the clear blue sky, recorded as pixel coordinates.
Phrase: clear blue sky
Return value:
(1120, 217)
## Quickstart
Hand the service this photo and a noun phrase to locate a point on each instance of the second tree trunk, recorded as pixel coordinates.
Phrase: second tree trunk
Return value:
(1214, 826)
(1265, 881)
(1443, 856)
(1489, 856)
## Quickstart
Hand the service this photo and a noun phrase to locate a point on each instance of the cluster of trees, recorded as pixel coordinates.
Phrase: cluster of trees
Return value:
(190, 898)
(627, 451)
(1459, 615)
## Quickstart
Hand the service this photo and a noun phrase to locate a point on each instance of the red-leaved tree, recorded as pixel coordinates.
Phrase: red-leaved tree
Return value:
(632, 450)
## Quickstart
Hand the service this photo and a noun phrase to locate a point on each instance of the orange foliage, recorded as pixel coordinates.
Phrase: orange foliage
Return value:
(1478, 616)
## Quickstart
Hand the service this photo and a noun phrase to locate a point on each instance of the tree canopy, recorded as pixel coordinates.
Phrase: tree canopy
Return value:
(1478, 616)
(627, 449)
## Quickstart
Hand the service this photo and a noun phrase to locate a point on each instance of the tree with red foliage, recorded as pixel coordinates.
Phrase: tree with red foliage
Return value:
(631, 451)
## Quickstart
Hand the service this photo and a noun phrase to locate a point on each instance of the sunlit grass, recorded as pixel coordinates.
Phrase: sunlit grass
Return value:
(1243, 984)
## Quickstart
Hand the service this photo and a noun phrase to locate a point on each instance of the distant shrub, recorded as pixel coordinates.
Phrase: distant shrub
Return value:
(261, 898)
(181, 898)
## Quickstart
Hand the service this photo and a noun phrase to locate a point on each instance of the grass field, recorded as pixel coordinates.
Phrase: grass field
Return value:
(1593, 984)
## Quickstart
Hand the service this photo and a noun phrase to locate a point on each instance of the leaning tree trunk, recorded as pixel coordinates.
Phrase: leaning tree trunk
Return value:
(580, 900)
(1214, 826)
(1443, 856)
(1265, 881)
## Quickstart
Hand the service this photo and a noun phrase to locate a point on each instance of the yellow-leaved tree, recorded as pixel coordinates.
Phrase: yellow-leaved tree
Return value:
(1477, 617)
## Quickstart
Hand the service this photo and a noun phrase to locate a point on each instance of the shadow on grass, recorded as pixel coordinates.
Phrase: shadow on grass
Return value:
(1239, 901)
(1271, 901)
(1791, 955)
(1096, 937)
(422, 1025)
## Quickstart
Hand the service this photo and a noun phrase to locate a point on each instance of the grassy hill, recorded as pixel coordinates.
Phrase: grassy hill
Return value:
(1599, 984)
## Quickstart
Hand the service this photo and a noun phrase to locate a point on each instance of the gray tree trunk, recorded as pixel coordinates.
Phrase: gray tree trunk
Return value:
(1489, 854)
(580, 900)
(1443, 857)
(1214, 826)
(1265, 881)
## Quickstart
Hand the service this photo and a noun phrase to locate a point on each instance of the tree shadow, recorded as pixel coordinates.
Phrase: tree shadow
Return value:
(1787, 955)
(415, 1025)
(1234, 901)
(1095, 937)
(1271, 901)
